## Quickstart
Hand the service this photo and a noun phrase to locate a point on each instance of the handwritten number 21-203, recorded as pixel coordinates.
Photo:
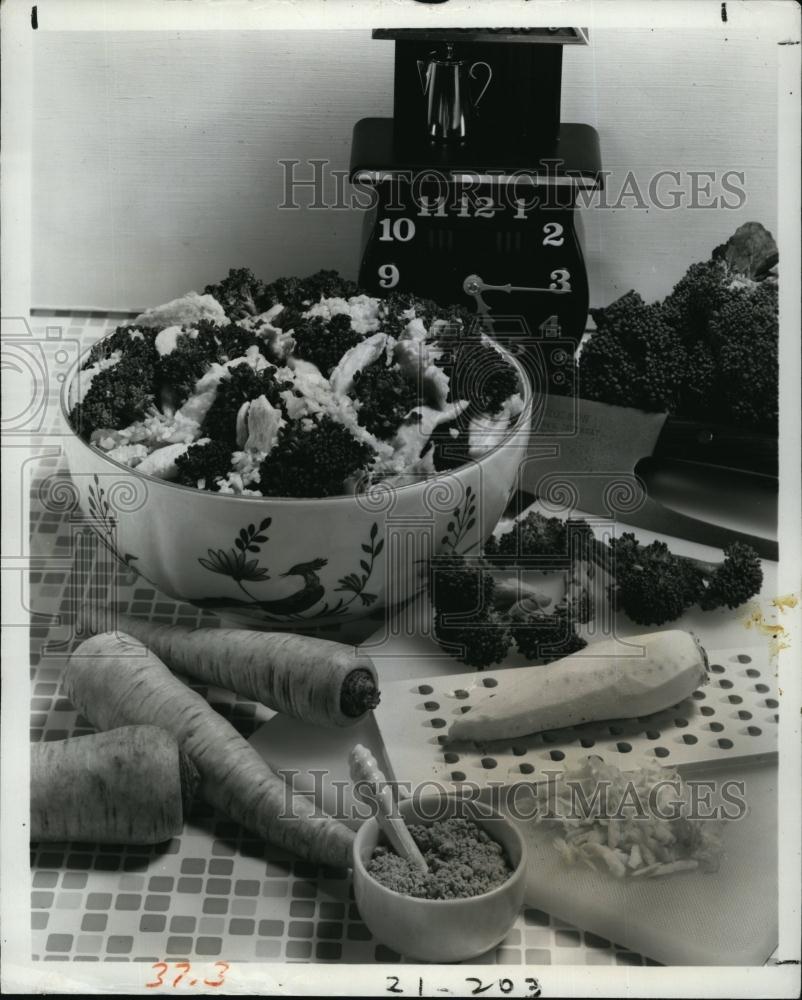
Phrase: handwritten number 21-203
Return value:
(505, 986)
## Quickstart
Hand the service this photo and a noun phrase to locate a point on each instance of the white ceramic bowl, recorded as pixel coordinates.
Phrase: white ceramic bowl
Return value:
(293, 563)
(441, 930)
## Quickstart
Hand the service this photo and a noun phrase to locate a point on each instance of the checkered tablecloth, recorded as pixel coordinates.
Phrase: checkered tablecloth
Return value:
(214, 893)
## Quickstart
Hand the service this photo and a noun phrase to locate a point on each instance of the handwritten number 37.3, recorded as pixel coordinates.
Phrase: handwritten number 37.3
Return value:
(185, 968)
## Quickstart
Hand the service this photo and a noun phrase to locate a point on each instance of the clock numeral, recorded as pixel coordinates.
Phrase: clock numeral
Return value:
(560, 280)
(485, 209)
(396, 229)
(427, 204)
(553, 235)
(389, 275)
(520, 214)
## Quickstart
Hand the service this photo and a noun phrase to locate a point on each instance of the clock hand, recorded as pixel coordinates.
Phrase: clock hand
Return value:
(474, 286)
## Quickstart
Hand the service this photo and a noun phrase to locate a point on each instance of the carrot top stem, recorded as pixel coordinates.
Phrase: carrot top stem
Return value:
(359, 694)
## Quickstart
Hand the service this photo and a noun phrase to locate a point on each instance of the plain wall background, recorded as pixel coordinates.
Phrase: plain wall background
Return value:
(155, 154)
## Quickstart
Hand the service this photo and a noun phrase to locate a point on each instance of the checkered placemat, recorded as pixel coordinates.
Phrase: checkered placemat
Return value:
(214, 893)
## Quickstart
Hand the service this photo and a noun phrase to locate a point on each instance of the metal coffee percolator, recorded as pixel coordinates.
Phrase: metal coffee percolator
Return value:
(446, 83)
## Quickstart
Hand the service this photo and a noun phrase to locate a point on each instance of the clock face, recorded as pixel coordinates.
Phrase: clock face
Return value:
(503, 257)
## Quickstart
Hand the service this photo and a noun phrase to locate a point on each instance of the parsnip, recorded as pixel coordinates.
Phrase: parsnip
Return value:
(113, 680)
(130, 785)
(603, 681)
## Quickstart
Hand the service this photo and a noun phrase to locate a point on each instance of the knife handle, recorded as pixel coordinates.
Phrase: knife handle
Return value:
(718, 444)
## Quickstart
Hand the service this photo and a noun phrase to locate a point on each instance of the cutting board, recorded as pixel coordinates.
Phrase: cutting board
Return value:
(724, 918)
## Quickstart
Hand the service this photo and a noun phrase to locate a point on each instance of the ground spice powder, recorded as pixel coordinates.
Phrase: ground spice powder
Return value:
(463, 861)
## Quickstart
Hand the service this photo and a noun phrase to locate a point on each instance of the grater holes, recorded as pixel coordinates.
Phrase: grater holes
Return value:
(743, 715)
(661, 752)
(556, 755)
(717, 668)
(489, 682)
(488, 763)
(438, 723)
(751, 672)
(652, 734)
(762, 688)
(724, 743)
(680, 722)
(623, 747)
(451, 758)
(519, 751)
(743, 658)
(754, 730)
(459, 693)
(689, 738)
(615, 730)
(458, 776)
(771, 703)
(431, 706)
(734, 699)
(716, 727)
(425, 689)
(587, 742)
(707, 710)
(526, 768)
(699, 695)
(724, 683)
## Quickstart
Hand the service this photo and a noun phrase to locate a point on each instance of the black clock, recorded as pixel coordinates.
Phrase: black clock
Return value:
(475, 179)
(498, 250)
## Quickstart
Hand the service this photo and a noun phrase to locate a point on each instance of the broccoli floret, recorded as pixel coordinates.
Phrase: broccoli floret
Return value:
(300, 293)
(233, 340)
(132, 341)
(204, 462)
(387, 395)
(634, 358)
(543, 635)
(460, 586)
(538, 535)
(242, 385)
(240, 294)
(653, 586)
(478, 373)
(394, 320)
(745, 333)
(698, 397)
(176, 373)
(117, 397)
(480, 642)
(451, 443)
(314, 462)
(323, 342)
(696, 297)
(732, 582)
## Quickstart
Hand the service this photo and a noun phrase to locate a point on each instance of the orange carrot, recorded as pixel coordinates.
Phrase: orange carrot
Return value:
(126, 786)
(316, 680)
(114, 680)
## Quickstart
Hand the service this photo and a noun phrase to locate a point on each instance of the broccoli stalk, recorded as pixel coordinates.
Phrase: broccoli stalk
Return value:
(478, 617)
(649, 583)
(653, 586)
